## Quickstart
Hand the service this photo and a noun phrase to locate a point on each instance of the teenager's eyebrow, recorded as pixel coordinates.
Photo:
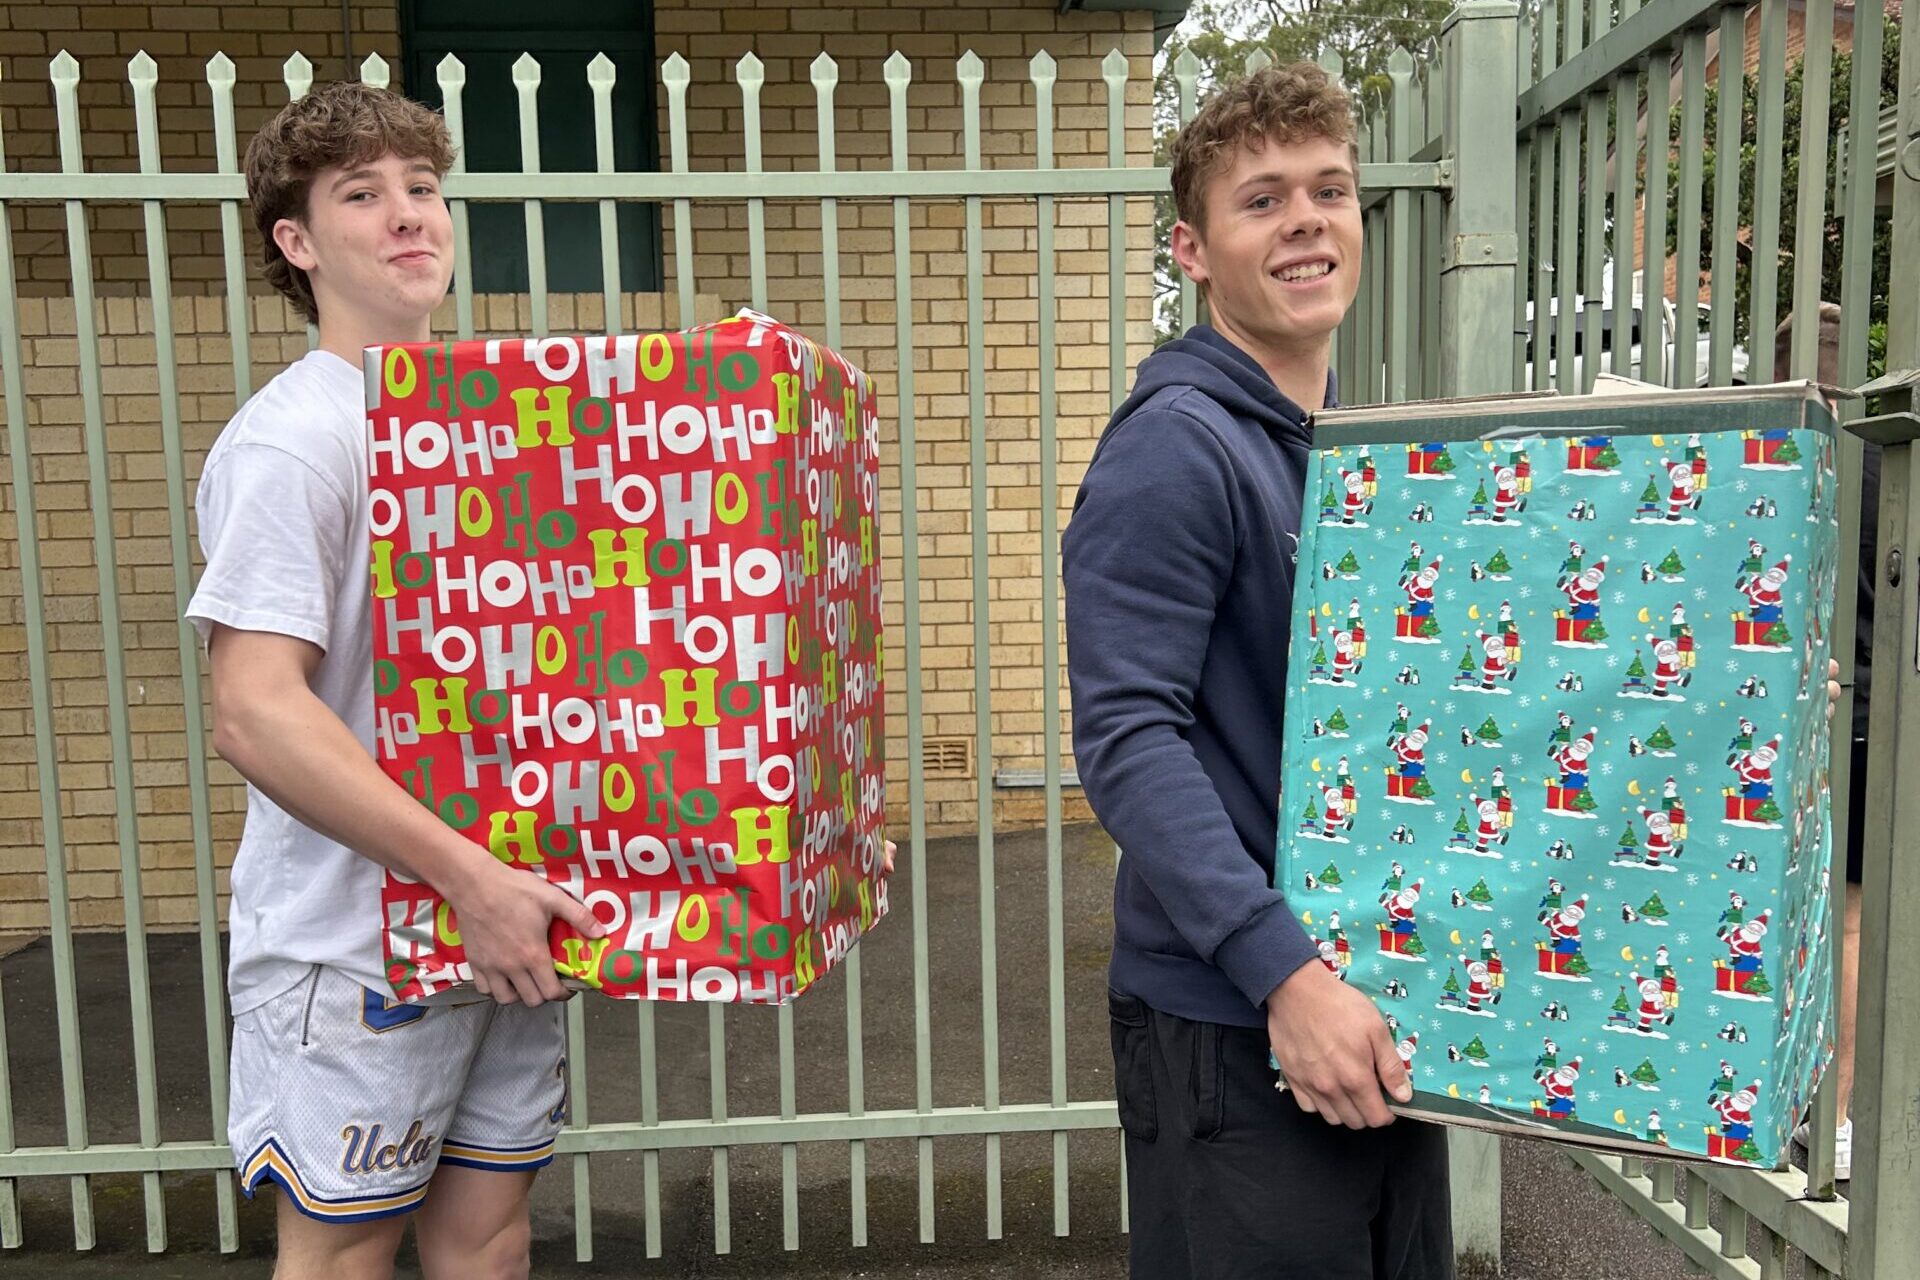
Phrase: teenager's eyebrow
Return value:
(367, 173)
(357, 175)
(1276, 177)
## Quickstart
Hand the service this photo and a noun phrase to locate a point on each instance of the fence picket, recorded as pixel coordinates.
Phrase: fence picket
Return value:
(1726, 198)
(1769, 129)
(1810, 213)
(1401, 231)
(451, 74)
(65, 74)
(220, 81)
(1654, 241)
(143, 75)
(526, 89)
(1687, 228)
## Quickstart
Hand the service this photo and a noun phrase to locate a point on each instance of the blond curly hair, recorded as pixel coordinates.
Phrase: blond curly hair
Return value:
(1295, 103)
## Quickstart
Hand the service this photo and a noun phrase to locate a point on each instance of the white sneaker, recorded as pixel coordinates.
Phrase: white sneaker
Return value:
(1842, 1147)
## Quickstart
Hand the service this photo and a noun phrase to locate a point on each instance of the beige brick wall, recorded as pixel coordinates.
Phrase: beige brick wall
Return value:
(786, 38)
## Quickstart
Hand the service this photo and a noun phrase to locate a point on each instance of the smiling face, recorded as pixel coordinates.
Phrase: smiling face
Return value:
(1278, 246)
(377, 246)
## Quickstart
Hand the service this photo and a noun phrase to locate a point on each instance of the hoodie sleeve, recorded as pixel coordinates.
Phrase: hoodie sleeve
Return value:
(1147, 558)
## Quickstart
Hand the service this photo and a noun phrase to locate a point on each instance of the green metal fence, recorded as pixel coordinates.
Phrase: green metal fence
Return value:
(81, 192)
(1479, 267)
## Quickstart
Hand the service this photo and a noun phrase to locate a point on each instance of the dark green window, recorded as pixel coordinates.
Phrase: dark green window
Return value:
(564, 35)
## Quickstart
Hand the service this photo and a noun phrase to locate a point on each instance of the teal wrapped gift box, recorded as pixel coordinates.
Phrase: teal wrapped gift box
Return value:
(1555, 787)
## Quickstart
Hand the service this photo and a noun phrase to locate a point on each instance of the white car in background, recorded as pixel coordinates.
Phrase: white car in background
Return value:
(1669, 328)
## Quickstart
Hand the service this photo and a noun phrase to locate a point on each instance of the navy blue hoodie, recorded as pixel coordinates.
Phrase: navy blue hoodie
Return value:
(1179, 569)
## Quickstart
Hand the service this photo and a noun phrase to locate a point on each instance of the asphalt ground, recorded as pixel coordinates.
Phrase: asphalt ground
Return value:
(1557, 1224)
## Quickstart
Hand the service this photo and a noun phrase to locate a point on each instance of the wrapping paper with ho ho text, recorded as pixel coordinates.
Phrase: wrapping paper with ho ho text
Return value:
(627, 637)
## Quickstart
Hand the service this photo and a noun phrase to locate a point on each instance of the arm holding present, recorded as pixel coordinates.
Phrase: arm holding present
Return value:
(1147, 558)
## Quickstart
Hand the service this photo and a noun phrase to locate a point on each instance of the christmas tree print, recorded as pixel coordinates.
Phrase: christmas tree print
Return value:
(1577, 966)
(1595, 632)
(1442, 463)
(1468, 668)
(1312, 813)
(1479, 503)
(1474, 1051)
(1349, 563)
(1636, 670)
(1337, 723)
(1421, 789)
(1583, 801)
(1757, 985)
(1452, 985)
(1461, 826)
(1767, 812)
(1650, 496)
(1778, 635)
(1488, 734)
(1628, 842)
(1787, 452)
(1608, 458)
(1499, 563)
(1645, 1075)
(1428, 628)
(1621, 1005)
(1331, 876)
(1329, 505)
(1748, 1152)
(1653, 909)
(1661, 741)
(1413, 946)
(1672, 568)
(1480, 894)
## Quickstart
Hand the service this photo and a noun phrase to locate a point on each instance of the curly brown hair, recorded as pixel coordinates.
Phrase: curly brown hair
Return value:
(344, 123)
(1295, 103)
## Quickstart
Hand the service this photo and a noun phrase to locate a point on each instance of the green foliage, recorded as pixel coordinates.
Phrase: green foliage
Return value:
(1782, 270)
(1653, 908)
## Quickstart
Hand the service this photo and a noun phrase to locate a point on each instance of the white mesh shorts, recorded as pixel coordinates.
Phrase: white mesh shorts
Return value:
(350, 1102)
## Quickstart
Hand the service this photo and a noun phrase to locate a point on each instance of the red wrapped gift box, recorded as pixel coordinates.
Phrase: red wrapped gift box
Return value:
(627, 637)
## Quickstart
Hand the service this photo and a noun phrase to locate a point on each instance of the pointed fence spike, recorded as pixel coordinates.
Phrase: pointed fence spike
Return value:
(601, 72)
(825, 72)
(451, 72)
(674, 71)
(374, 71)
(1257, 61)
(897, 71)
(297, 73)
(969, 70)
(220, 71)
(1113, 67)
(526, 71)
(1042, 69)
(63, 69)
(142, 69)
(749, 72)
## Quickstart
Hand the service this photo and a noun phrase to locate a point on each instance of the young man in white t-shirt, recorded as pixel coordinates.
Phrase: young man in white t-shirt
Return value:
(360, 1109)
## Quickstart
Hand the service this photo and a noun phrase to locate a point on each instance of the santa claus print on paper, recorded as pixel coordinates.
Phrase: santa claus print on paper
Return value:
(1469, 785)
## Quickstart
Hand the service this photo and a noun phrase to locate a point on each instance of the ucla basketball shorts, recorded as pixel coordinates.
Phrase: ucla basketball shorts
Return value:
(350, 1101)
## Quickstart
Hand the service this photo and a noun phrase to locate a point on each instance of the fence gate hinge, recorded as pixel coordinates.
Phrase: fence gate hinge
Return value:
(1501, 249)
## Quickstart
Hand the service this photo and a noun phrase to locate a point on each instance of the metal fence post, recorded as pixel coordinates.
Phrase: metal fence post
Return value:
(1479, 255)
(1886, 1162)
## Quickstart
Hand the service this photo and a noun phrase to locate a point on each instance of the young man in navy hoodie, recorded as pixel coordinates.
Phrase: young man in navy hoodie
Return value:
(1180, 565)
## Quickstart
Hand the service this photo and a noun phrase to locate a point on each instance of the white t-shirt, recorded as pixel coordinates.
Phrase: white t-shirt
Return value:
(283, 521)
